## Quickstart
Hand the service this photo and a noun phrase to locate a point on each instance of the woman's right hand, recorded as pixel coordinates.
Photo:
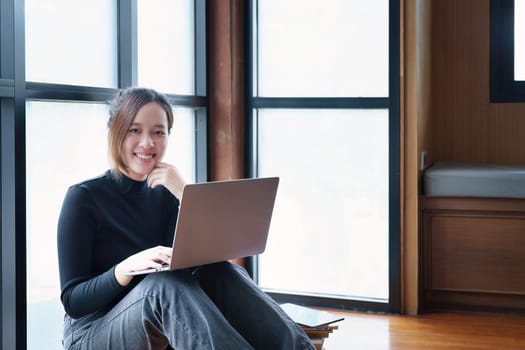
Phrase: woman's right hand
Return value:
(150, 258)
(168, 176)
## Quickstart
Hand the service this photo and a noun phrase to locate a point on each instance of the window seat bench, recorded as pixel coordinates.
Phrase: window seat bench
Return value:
(472, 237)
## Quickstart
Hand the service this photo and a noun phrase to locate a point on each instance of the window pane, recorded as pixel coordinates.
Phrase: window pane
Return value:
(72, 42)
(336, 48)
(166, 45)
(66, 144)
(330, 224)
(519, 39)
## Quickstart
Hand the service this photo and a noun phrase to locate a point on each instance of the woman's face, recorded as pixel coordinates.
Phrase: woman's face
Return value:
(145, 141)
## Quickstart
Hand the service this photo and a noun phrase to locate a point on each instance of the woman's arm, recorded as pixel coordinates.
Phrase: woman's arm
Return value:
(92, 295)
(83, 290)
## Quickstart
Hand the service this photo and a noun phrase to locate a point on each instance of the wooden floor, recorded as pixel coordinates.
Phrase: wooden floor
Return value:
(429, 331)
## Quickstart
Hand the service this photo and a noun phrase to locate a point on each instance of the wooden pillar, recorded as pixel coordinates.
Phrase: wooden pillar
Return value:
(415, 107)
(226, 89)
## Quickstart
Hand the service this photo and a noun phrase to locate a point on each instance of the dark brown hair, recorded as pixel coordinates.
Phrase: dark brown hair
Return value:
(123, 109)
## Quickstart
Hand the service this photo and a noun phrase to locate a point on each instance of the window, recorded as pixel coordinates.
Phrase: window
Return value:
(162, 29)
(519, 40)
(65, 144)
(312, 49)
(507, 51)
(323, 116)
(331, 215)
(69, 59)
(63, 46)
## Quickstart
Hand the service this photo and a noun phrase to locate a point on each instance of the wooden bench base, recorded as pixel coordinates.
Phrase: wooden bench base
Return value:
(472, 254)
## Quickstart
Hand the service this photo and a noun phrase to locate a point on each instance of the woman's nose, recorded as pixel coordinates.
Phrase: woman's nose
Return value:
(146, 141)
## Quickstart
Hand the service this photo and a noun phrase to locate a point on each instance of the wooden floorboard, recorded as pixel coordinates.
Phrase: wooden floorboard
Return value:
(429, 331)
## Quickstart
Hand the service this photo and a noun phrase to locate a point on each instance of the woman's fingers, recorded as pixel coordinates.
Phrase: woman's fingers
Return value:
(160, 255)
(168, 176)
(150, 258)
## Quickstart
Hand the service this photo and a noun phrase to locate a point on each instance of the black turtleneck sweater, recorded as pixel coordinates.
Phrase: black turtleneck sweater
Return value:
(102, 222)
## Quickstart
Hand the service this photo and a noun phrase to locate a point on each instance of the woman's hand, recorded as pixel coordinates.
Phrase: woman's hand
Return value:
(168, 176)
(150, 258)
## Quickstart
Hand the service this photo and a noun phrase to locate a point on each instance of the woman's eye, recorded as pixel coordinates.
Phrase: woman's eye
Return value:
(134, 130)
(159, 133)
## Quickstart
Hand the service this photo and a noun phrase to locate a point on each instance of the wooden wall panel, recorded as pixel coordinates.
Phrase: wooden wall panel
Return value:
(415, 107)
(478, 253)
(464, 126)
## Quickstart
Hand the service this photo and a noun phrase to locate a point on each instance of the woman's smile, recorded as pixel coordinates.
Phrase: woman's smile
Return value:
(145, 141)
(145, 156)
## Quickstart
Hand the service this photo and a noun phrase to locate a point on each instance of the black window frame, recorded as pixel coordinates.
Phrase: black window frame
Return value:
(15, 91)
(503, 87)
(392, 103)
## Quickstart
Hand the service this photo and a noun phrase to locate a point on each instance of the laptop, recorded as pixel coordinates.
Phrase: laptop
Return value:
(220, 221)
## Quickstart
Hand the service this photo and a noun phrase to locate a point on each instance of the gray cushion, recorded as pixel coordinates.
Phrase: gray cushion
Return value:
(455, 179)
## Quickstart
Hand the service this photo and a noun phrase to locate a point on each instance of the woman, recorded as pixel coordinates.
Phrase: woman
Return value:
(124, 221)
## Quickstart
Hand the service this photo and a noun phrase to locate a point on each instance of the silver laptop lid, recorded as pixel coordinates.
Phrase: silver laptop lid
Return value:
(223, 220)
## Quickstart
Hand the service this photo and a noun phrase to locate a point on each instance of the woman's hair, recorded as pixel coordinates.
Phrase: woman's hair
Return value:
(123, 109)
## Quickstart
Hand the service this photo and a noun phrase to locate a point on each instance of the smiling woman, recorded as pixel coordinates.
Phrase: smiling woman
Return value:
(123, 221)
(138, 132)
(79, 155)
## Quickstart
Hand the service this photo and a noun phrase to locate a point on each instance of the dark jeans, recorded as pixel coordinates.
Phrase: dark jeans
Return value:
(215, 306)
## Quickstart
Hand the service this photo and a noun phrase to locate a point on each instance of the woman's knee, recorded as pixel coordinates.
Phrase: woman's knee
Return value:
(223, 276)
(223, 268)
(167, 281)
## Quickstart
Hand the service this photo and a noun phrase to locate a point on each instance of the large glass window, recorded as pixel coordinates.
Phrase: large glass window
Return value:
(72, 42)
(325, 120)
